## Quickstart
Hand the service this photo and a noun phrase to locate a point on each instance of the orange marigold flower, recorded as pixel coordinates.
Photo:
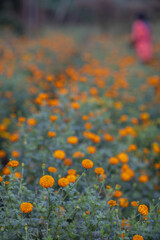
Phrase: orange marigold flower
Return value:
(88, 125)
(123, 202)
(137, 237)
(99, 170)
(108, 187)
(132, 147)
(26, 207)
(91, 149)
(17, 175)
(125, 176)
(31, 122)
(134, 121)
(6, 171)
(6, 182)
(51, 134)
(52, 169)
(14, 137)
(15, 154)
(2, 154)
(87, 212)
(3, 127)
(102, 176)
(71, 172)
(46, 181)
(113, 160)
(61, 211)
(1, 179)
(13, 163)
(59, 154)
(117, 194)
(134, 204)
(143, 209)
(78, 154)
(53, 118)
(86, 163)
(67, 162)
(71, 178)
(144, 116)
(63, 182)
(123, 157)
(75, 105)
(21, 119)
(108, 137)
(125, 223)
(85, 118)
(143, 179)
(72, 140)
(112, 203)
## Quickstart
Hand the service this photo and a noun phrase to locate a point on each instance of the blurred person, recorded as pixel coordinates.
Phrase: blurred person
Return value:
(141, 38)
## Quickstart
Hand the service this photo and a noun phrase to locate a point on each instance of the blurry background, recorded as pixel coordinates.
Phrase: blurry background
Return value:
(30, 14)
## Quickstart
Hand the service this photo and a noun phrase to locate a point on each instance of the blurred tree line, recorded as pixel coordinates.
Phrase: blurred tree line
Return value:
(35, 13)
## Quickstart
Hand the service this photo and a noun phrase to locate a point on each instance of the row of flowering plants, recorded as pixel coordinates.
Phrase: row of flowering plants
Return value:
(82, 163)
(72, 208)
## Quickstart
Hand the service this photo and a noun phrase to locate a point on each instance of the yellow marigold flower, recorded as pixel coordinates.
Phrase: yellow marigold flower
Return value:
(52, 169)
(91, 149)
(71, 178)
(53, 118)
(123, 157)
(137, 237)
(117, 194)
(72, 140)
(1, 179)
(59, 154)
(51, 134)
(46, 181)
(123, 202)
(63, 182)
(113, 160)
(143, 209)
(26, 207)
(71, 172)
(86, 163)
(31, 122)
(99, 170)
(134, 204)
(112, 203)
(143, 179)
(13, 163)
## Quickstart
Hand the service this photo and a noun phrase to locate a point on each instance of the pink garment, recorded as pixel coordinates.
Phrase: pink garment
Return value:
(142, 39)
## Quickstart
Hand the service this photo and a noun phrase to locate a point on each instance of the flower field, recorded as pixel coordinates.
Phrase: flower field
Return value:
(79, 138)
